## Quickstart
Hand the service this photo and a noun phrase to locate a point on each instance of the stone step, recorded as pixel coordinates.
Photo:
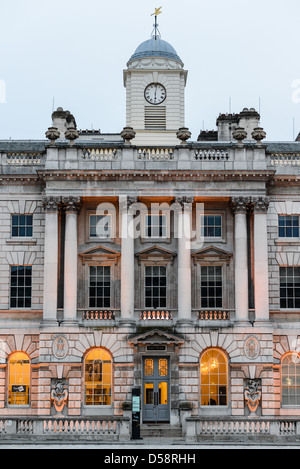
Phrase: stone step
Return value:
(160, 430)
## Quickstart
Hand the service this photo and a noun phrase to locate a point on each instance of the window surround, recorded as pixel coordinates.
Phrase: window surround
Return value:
(91, 408)
(99, 256)
(109, 210)
(284, 357)
(20, 240)
(211, 239)
(153, 256)
(212, 256)
(19, 286)
(152, 210)
(287, 239)
(282, 308)
(25, 355)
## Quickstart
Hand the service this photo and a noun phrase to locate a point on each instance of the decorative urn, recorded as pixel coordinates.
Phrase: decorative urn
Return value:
(128, 134)
(183, 134)
(52, 134)
(258, 134)
(239, 134)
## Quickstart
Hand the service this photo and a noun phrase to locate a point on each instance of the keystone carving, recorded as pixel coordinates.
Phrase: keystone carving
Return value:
(252, 394)
(59, 395)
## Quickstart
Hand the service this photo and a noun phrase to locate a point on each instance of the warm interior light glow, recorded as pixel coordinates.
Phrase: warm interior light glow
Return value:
(98, 377)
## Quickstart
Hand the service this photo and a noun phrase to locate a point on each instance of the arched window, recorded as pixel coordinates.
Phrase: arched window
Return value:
(18, 379)
(290, 379)
(214, 378)
(97, 377)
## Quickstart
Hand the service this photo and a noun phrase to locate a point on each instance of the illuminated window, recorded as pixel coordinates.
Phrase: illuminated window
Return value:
(97, 377)
(213, 376)
(290, 379)
(18, 379)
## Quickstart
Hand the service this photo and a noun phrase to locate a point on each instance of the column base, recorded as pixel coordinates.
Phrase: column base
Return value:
(50, 323)
(127, 322)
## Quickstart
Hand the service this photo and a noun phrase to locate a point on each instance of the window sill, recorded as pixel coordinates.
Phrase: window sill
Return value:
(287, 241)
(21, 240)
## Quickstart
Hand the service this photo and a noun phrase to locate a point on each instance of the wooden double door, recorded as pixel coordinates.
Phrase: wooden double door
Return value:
(156, 389)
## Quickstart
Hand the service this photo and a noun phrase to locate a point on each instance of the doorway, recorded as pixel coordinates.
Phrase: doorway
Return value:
(156, 389)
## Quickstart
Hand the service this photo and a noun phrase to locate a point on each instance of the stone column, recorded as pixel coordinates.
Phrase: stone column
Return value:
(261, 276)
(184, 288)
(51, 207)
(127, 258)
(71, 206)
(239, 207)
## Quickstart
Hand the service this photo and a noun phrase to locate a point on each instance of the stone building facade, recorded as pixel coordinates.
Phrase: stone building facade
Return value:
(148, 260)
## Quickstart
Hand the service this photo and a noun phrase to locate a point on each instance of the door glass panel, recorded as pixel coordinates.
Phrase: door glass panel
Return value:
(163, 367)
(149, 367)
(163, 393)
(149, 393)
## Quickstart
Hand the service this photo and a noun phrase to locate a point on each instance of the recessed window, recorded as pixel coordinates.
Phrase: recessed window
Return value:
(288, 226)
(290, 379)
(289, 287)
(100, 226)
(98, 377)
(20, 286)
(21, 225)
(156, 226)
(211, 287)
(214, 380)
(155, 286)
(18, 379)
(211, 226)
(99, 287)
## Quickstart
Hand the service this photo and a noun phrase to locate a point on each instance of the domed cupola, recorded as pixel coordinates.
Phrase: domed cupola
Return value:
(155, 81)
(155, 47)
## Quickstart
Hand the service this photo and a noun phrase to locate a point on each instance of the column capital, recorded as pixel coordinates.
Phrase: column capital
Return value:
(260, 204)
(51, 203)
(240, 204)
(184, 202)
(71, 204)
(125, 202)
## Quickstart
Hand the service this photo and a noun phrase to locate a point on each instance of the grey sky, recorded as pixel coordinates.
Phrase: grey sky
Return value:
(75, 51)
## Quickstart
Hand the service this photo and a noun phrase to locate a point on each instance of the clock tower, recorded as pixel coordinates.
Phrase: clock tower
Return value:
(155, 82)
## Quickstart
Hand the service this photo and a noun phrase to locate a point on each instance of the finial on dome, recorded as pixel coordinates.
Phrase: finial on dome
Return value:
(156, 32)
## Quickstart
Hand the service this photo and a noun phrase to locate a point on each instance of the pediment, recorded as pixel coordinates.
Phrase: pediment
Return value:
(99, 252)
(156, 336)
(156, 252)
(212, 252)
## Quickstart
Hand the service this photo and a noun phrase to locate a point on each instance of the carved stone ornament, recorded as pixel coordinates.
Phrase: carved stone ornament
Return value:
(252, 394)
(184, 202)
(128, 134)
(71, 204)
(239, 134)
(71, 134)
(60, 347)
(251, 348)
(260, 204)
(258, 134)
(59, 395)
(240, 204)
(183, 134)
(52, 134)
(51, 203)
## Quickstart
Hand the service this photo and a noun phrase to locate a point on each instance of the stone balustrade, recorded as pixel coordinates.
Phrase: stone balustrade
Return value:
(214, 314)
(67, 428)
(100, 314)
(149, 315)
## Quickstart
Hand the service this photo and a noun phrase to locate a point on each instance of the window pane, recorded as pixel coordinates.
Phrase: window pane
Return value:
(99, 287)
(288, 226)
(155, 286)
(211, 287)
(214, 379)
(20, 297)
(98, 378)
(289, 287)
(21, 225)
(19, 379)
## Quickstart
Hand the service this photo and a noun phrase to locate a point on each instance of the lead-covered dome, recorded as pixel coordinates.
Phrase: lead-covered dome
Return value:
(155, 47)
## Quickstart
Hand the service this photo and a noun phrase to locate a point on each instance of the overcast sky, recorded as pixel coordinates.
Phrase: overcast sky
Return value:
(74, 51)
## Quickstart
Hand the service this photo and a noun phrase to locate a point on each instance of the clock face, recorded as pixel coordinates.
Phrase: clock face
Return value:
(155, 93)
